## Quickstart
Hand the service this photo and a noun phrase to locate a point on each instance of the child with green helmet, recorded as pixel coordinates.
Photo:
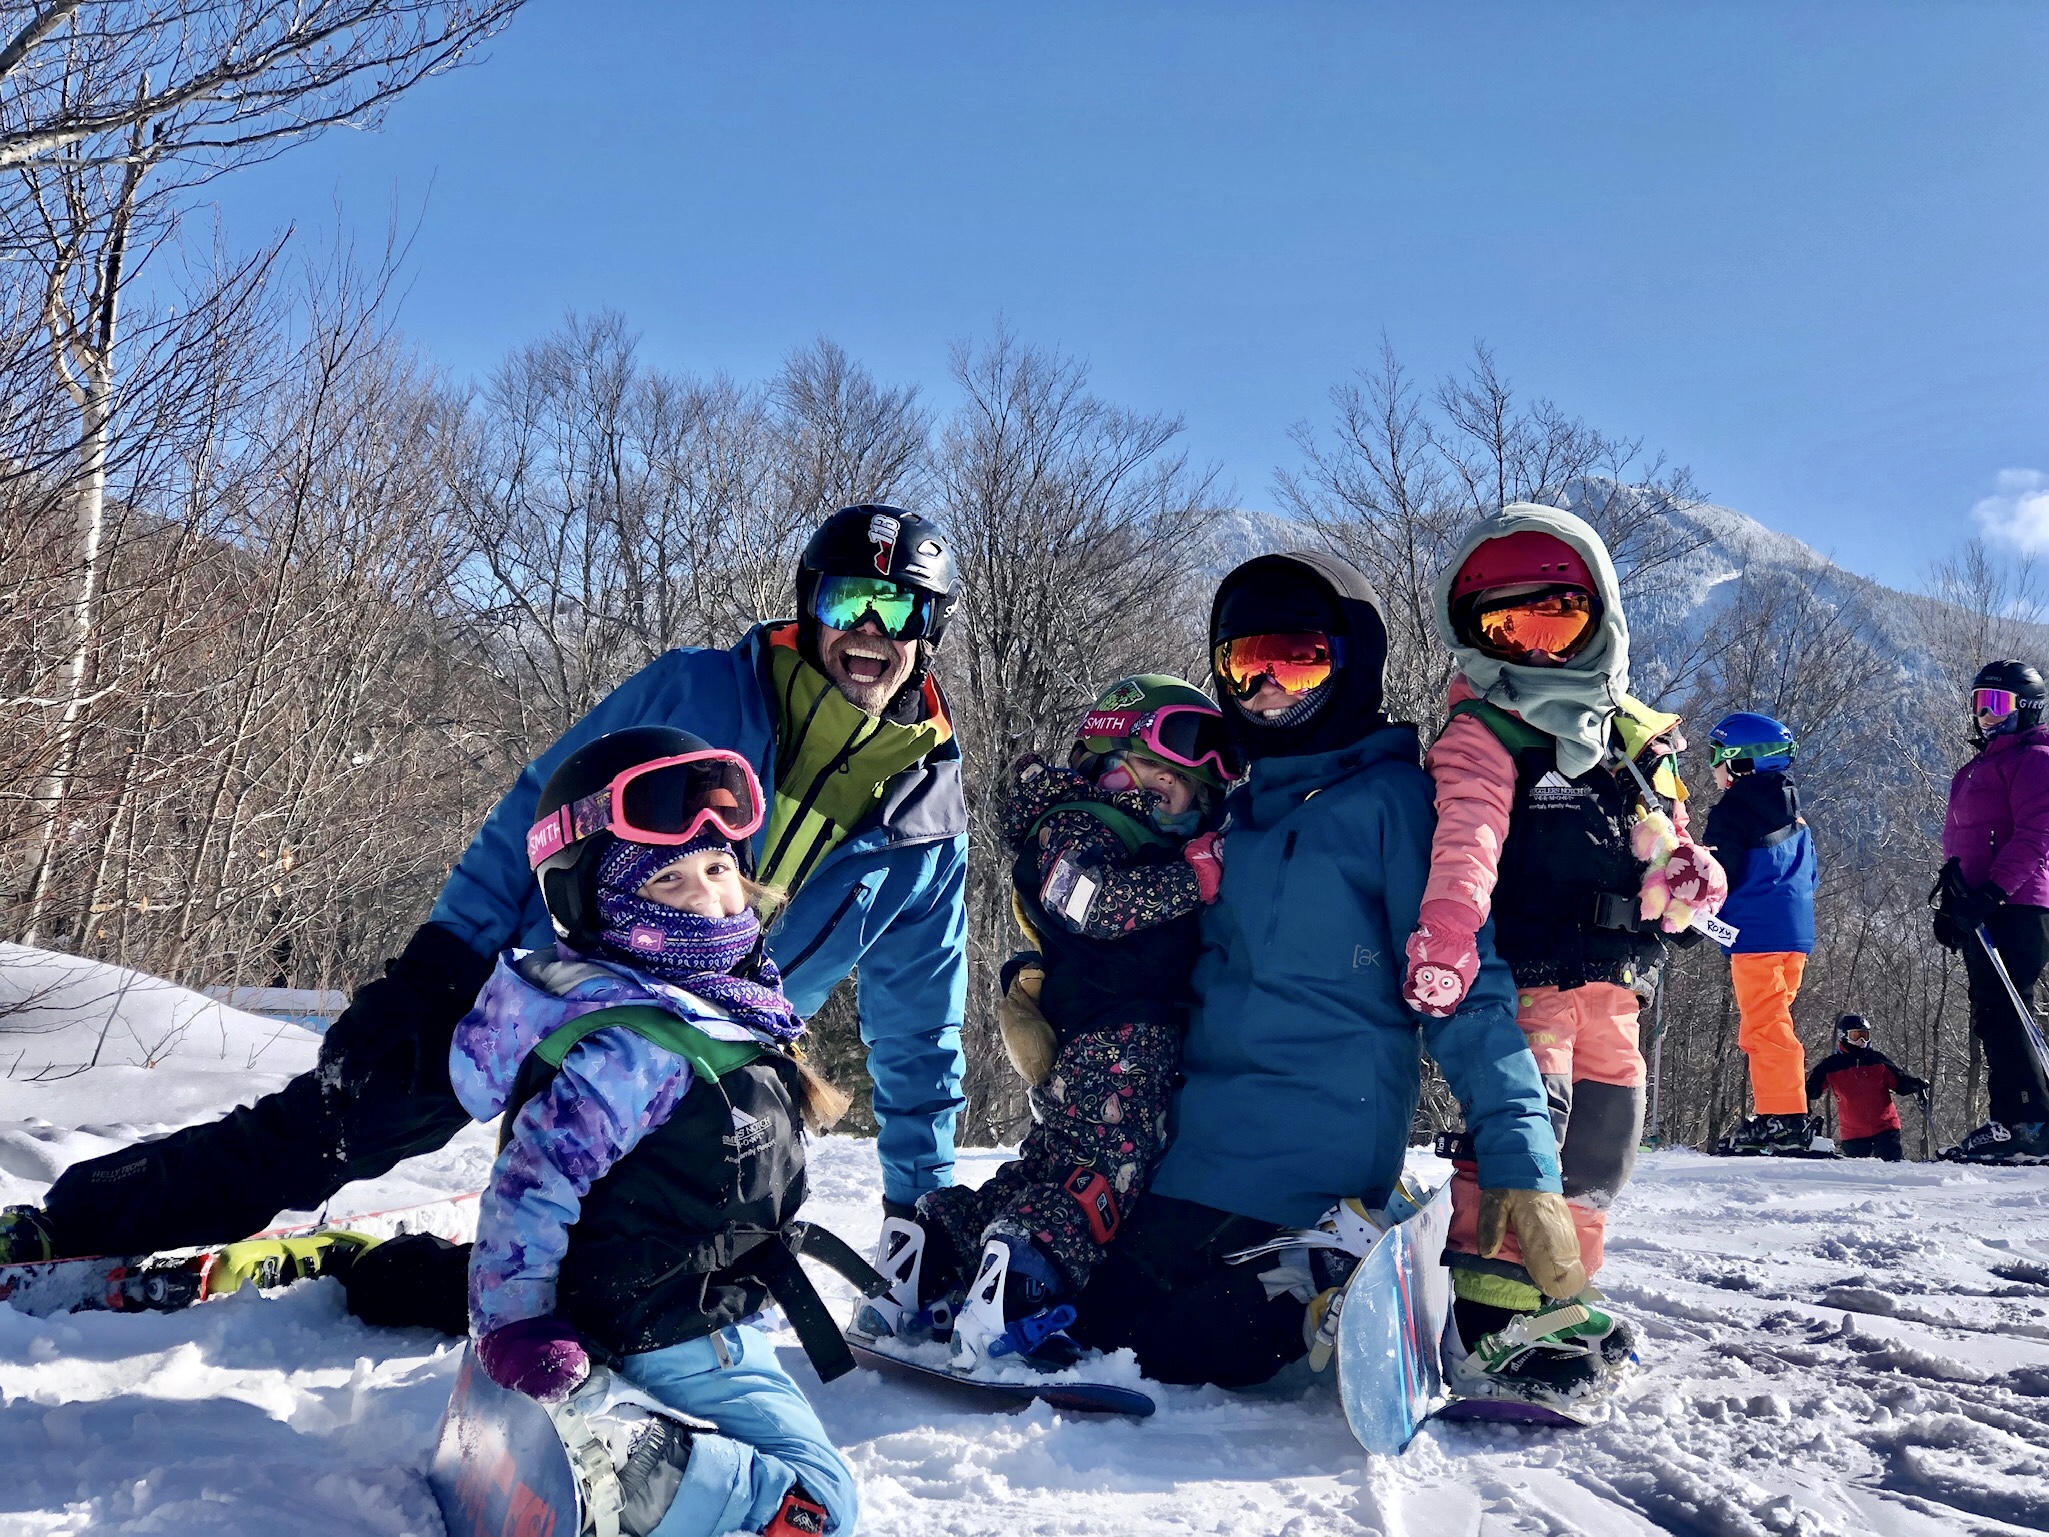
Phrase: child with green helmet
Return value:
(1115, 856)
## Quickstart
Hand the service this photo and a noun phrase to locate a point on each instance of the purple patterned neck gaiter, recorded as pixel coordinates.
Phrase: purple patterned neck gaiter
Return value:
(686, 949)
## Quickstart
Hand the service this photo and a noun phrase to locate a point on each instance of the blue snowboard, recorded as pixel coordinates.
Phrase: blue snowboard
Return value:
(1390, 1375)
(500, 1468)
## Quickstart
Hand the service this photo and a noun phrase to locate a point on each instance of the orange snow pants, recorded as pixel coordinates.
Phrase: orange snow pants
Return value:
(1765, 984)
(1585, 1043)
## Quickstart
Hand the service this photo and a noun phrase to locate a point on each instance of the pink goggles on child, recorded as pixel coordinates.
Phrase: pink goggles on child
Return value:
(666, 801)
(1184, 735)
(1995, 702)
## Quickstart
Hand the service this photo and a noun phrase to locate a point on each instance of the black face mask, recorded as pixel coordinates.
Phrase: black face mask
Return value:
(1280, 594)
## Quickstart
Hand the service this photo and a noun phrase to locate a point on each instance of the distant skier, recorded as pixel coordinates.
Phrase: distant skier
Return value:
(1302, 1063)
(652, 1156)
(1863, 1081)
(1764, 845)
(1114, 857)
(1995, 842)
(1551, 783)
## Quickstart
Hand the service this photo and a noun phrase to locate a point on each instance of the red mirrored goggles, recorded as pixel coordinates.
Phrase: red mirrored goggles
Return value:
(1298, 661)
(1995, 702)
(664, 801)
(1552, 625)
(1184, 735)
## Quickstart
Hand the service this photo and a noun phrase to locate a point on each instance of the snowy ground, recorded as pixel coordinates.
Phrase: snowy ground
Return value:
(1830, 1348)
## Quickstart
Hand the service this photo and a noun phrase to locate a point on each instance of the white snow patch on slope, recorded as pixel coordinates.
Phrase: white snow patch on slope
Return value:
(1828, 1348)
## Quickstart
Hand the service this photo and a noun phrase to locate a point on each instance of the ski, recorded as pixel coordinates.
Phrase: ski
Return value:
(164, 1283)
(1009, 1393)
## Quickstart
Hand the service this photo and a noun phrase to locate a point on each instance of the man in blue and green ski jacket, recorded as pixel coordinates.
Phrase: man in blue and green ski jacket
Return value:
(867, 835)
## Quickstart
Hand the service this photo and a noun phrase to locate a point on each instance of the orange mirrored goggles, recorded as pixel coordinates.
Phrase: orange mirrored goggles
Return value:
(1553, 625)
(1298, 662)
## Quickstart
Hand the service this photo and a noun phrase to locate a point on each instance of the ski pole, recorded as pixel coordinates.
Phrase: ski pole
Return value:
(2032, 1030)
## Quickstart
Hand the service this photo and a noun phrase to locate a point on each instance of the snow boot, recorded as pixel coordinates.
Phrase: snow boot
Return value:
(272, 1262)
(1566, 1355)
(924, 1286)
(2024, 1142)
(1768, 1135)
(1012, 1315)
(25, 1236)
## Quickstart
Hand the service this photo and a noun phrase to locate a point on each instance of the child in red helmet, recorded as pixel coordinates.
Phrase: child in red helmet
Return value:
(1561, 818)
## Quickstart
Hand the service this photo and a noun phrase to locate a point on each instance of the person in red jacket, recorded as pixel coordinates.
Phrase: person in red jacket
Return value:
(1863, 1080)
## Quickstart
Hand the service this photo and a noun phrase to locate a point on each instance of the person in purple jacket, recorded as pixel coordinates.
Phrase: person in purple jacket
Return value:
(641, 1210)
(1995, 843)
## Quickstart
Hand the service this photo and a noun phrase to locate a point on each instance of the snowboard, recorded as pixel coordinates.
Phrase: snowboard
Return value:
(500, 1468)
(1393, 1310)
(1396, 1308)
(1510, 1411)
(1749, 1152)
(1004, 1393)
(164, 1283)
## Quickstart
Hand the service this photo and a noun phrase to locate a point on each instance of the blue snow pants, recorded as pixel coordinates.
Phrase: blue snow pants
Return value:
(771, 1438)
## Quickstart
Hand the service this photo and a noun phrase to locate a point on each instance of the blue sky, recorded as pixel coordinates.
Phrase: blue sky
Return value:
(1800, 248)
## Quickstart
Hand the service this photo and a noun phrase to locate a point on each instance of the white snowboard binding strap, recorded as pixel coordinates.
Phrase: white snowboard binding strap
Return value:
(628, 1452)
(899, 1255)
(980, 1327)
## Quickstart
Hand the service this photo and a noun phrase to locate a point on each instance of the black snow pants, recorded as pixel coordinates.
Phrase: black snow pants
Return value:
(1165, 1290)
(2019, 1090)
(1885, 1145)
(226, 1179)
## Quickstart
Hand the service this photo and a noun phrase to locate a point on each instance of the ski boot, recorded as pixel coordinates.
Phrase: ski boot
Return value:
(1566, 1355)
(1010, 1316)
(25, 1236)
(272, 1262)
(1768, 1136)
(921, 1301)
(1995, 1142)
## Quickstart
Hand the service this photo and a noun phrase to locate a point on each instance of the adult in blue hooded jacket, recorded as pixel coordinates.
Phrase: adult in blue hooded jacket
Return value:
(868, 834)
(1303, 1064)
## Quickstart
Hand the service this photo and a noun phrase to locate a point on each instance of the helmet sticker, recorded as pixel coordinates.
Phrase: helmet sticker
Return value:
(1123, 696)
(882, 533)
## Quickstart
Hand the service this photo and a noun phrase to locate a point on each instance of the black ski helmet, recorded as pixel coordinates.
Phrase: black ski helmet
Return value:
(873, 540)
(569, 876)
(2024, 682)
(1851, 1022)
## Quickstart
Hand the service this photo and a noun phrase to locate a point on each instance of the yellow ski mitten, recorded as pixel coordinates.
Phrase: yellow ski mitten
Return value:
(1544, 1230)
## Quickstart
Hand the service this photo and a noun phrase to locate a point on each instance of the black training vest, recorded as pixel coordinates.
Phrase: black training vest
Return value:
(1565, 903)
(1142, 977)
(685, 1233)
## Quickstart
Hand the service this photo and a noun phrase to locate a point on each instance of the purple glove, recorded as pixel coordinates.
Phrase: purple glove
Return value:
(540, 1357)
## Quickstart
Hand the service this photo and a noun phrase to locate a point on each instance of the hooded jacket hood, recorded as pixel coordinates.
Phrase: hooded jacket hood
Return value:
(1574, 703)
(1296, 587)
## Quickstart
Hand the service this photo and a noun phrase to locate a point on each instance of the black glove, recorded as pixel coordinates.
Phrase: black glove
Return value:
(1947, 934)
(1976, 905)
(1910, 1085)
(397, 1021)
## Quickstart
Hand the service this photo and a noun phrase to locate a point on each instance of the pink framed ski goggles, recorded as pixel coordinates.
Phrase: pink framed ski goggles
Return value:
(1995, 702)
(1184, 735)
(666, 801)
